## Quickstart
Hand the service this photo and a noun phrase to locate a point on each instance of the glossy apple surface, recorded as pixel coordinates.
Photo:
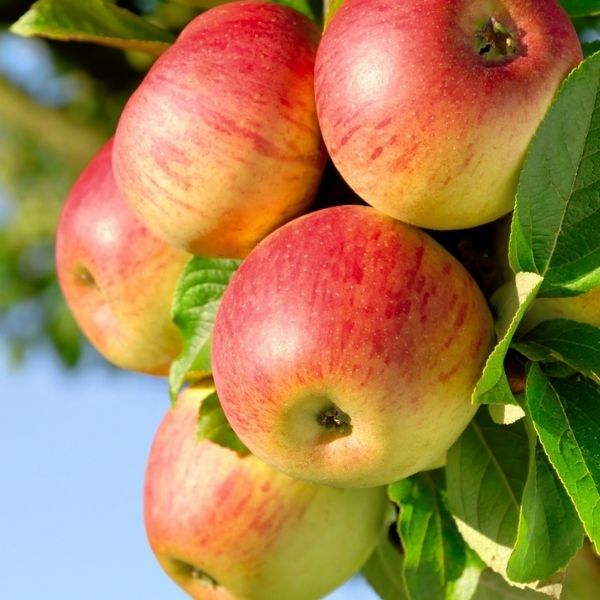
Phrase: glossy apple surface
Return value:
(427, 108)
(117, 277)
(226, 526)
(220, 143)
(346, 348)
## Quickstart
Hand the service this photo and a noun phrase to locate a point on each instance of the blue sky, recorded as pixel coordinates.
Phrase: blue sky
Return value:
(72, 453)
(73, 448)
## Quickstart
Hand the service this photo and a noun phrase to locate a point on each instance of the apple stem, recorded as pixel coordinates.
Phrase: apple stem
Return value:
(334, 419)
(494, 43)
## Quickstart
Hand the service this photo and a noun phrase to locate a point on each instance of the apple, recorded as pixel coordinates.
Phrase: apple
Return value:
(584, 308)
(427, 108)
(346, 348)
(117, 278)
(226, 526)
(220, 144)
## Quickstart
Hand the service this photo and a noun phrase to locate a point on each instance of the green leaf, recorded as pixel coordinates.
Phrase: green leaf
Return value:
(549, 532)
(437, 562)
(556, 225)
(383, 571)
(573, 343)
(510, 303)
(581, 8)
(313, 9)
(505, 414)
(559, 370)
(203, 4)
(467, 584)
(566, 416)
(213, 425)
(195, 305)
(486, 470)
(331, 7)
(96, 21)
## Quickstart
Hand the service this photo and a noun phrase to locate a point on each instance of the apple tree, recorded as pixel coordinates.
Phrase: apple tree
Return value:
(430, 362)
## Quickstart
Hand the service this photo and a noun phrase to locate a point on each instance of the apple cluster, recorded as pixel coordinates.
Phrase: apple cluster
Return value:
(348, 343)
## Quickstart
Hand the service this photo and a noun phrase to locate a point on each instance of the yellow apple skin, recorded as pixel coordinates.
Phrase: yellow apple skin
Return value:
(419, 123)
(117, 278)
(348, 308)
(225, 526)
(220, 144)
(584, 308)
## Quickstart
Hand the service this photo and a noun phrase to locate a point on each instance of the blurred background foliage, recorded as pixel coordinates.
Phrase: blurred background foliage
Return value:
(59, 101)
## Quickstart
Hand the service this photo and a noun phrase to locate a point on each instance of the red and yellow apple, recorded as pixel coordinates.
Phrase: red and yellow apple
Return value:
(427, 108)
(117, 278)
(225, 526)
(346, 348)
(220, 143)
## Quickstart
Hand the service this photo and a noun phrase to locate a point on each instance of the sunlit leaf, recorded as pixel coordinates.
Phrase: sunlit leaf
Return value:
(510, 303)
(96, 21)
(566, 416)
(556, 225)
(194, 309)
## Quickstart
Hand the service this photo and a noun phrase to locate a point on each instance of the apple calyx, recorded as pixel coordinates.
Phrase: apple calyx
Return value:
(84, 277)
(494, 42)
(205, 578)
(185, 568)
(335, 420)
